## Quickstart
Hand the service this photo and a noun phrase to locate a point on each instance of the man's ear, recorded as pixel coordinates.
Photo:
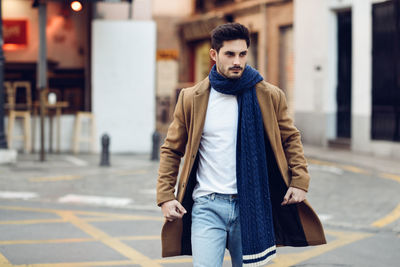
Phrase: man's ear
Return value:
(213, 54)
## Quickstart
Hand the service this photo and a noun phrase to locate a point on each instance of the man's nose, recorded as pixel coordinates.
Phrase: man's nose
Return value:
(236, 61)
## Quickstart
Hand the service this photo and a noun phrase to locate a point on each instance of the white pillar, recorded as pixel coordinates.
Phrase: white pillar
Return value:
(123, 82)
(314, 107)
(361, 75)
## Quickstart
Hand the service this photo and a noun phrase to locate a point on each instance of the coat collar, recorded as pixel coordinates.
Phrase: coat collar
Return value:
(200, 103)
(203, 87)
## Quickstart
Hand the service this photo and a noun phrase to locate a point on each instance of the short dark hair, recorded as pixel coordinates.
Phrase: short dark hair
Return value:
(228, 32)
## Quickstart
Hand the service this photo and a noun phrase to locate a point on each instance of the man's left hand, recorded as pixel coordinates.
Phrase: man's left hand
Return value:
(294, 195)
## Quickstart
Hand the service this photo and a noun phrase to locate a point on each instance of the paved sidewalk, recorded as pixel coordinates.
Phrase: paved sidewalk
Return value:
(343, 156)
(69, 211)
(335, 155)
(129, 182)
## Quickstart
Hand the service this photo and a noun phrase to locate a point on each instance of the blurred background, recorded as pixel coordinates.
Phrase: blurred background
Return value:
(87, 80)
(124, 62)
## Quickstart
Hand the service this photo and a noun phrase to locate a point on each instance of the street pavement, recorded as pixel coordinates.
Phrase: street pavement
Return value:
(69, 211)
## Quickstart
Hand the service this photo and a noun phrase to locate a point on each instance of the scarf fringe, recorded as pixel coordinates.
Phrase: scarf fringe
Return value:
(259, 255)
(261, 263)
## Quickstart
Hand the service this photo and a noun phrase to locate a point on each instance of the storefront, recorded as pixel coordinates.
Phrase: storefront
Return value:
(93, 54)
(68, 50)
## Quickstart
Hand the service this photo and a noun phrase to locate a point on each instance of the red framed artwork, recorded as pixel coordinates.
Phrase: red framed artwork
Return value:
(15, 33)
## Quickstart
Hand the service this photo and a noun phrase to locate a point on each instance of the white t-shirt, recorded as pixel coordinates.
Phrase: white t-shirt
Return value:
(216, 172)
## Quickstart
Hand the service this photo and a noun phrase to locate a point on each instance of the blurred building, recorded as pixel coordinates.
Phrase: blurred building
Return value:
(271, 26)
(68, 48)
(347, 69)
(125, 61)
(167, 15)
(100, 59)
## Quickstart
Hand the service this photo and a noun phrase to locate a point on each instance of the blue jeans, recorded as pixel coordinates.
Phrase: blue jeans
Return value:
(215, 225)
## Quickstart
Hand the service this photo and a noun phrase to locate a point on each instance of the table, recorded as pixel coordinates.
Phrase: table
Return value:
(58, 106)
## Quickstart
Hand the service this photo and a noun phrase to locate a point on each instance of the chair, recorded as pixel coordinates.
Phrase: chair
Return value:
(78, 138)
(25, 115)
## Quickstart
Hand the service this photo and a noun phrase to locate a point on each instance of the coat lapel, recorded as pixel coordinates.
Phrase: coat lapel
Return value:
(200, 103)
(267, 108)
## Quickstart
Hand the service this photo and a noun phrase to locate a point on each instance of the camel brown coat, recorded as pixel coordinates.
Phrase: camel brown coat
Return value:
(294, 225)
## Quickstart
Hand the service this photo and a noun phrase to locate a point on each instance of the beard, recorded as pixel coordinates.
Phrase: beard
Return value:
(231, 72)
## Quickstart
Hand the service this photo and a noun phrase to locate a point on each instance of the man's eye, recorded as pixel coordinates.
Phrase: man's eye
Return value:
(243, 54)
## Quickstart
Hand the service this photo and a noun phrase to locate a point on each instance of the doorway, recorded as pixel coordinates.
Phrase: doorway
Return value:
(343, 92)
(386, 71)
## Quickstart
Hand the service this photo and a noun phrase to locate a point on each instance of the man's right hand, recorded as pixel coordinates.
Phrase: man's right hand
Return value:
(172, 210)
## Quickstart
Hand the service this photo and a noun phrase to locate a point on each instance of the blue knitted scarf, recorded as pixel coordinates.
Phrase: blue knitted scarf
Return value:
(258, 239)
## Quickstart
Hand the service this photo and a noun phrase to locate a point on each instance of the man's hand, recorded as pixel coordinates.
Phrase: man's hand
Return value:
(294, 195)
(172, 210)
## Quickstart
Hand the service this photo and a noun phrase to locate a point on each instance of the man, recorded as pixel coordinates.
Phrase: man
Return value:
(244, 178)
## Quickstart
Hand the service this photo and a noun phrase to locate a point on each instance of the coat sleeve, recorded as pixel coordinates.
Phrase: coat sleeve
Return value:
(171, 153)
(292, 146)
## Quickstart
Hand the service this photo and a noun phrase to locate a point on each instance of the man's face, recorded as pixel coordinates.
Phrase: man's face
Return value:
(231, 58)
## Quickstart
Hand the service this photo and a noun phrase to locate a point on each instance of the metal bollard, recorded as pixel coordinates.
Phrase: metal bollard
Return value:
(155, 152)
(105, 152)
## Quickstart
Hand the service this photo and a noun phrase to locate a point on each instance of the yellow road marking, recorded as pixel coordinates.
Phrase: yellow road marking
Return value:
(79, 264)
(140, 237)
(353, 169)
(3, 261)
(343, 238)
(51, 241)
(103, 216)
(114, 215)
(33, 221)
(27, 209)
(127, 218)
(183, 260)
(177, 260)
(391, 217)
(119, 217)
(390, 176)
(113, 243)
(75, 240)
(283, 260)
(319, 162)
(131, 172)
(55, 178)
(136, 218)
(349, 168)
